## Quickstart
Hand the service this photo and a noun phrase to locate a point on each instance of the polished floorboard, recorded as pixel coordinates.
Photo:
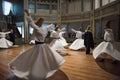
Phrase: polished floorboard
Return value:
(78, 66)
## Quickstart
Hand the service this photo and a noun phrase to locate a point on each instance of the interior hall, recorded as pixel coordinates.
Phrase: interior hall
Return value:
(59, 39)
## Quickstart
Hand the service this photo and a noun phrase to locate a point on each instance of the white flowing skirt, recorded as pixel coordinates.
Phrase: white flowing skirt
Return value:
(77, 44)
(63, 41)
(37, 63)
(108, 48)
(56, 45)
(4, 43)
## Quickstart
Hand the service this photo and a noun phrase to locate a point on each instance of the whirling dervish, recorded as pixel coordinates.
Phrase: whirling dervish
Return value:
(40, 61)
(57, 44)
(62, 39)
(4, 43)
(107, 46)
(79, 42)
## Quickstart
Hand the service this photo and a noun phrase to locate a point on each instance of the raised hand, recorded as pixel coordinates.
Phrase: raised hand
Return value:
(27, 12)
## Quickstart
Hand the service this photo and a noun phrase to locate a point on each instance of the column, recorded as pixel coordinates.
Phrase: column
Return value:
(119, 21)
(82, 6)
(100, 16)
(50, 7)
(92, 16)
(26, 34)
(59, 12)
(35, 7)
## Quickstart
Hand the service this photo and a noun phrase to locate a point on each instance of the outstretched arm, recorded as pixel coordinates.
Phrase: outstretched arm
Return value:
(8, 32)
(74, 30)
(27, 12)
(31, 22)
(29, 19)
(5, 32)
(50, 27)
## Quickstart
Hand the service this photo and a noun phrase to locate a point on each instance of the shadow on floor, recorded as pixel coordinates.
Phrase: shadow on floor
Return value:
(59, 75)
(116, 79)
(109, 67)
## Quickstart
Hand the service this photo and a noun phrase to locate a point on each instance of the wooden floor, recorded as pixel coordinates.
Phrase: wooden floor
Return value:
(78, 66)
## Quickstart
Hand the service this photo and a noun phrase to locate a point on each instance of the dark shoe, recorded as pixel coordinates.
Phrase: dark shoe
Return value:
(101, 60)
(114, 62)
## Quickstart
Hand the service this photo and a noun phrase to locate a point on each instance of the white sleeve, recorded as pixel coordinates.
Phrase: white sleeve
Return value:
(33, 25)
(63, 32)
(8, 32)
(108, 37)
(31, 22)
(74, 30)
(105, 36)
(49, 27)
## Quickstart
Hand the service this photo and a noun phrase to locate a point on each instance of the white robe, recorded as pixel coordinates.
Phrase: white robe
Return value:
(4, 43)
(62, 39)
(79, 42)
(107, 46)
(56, 43)
(39, 62)
(33, 37)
